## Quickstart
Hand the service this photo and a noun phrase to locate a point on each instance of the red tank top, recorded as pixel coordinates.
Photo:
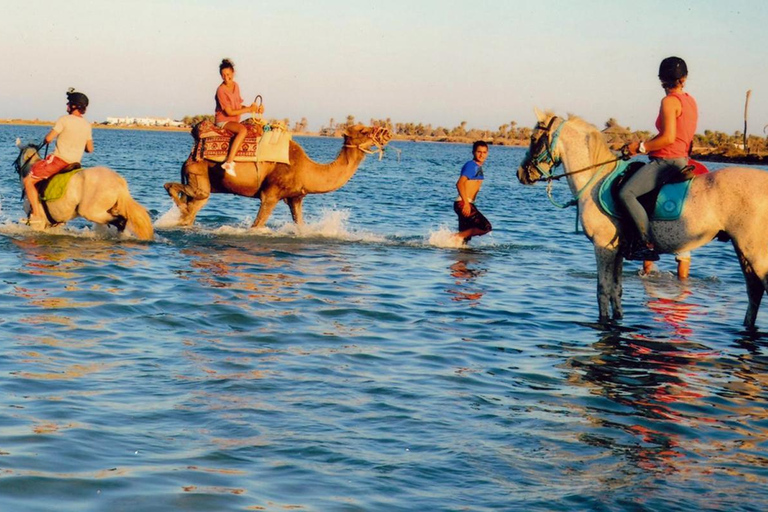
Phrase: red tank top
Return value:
(686, 128)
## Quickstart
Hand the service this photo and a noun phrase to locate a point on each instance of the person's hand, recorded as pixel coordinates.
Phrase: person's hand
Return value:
(466, 208)
(629, 150)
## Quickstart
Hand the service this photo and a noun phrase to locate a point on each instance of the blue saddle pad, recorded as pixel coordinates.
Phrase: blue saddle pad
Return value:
(669, 204)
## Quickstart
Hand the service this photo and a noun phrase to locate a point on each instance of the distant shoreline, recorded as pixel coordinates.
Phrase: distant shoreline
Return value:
(702, 154)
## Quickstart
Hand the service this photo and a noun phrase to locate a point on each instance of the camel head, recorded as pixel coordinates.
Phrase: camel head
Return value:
(365, 137)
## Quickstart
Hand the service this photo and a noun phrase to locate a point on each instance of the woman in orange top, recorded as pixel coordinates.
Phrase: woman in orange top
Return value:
(229, 108)
(668, 151)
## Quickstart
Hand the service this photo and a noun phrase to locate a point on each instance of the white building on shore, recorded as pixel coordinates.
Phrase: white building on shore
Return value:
(143, 121)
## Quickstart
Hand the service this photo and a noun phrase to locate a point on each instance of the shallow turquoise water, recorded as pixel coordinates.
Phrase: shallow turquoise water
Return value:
(360, 364)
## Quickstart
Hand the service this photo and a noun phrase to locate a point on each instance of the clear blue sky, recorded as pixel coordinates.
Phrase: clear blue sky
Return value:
(486, 62)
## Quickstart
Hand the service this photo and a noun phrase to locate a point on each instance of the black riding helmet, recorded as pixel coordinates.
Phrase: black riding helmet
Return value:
(672, 68)
(77, 99)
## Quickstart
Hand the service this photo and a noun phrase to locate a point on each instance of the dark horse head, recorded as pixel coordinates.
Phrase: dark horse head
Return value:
(540, 159)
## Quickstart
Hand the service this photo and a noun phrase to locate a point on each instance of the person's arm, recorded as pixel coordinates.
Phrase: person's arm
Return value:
(461, 187)
(230, 109)
(670, 110)
(89, 146)
(50, 136)
(238, 111)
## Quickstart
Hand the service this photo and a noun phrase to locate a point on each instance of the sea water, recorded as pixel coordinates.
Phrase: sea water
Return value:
(364, 362)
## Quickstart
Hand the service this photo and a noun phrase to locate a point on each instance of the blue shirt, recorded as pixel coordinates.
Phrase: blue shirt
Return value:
(472, 171)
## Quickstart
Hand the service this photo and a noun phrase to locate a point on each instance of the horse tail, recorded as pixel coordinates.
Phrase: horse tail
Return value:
(136, 216)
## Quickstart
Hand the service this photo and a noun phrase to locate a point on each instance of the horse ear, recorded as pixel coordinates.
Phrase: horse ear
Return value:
(540, 116)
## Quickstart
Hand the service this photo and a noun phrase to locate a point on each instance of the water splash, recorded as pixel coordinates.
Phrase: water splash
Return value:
(332, 224)
(446, 238)
(170, 218)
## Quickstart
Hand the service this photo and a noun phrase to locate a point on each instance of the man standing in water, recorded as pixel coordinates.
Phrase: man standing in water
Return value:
(74, 137)
(471, 221)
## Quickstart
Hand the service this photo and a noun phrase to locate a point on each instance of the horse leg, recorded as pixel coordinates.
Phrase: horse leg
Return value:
(294, 203)
(268, 204)
(754, 271)
(609, 265)
(618, 267)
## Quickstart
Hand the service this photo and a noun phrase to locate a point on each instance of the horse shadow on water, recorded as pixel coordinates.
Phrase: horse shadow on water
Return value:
(725, 204)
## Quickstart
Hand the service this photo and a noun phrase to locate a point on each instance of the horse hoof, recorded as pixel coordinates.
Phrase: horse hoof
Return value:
(36, 223)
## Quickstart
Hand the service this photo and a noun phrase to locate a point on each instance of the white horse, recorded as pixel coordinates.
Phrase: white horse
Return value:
(97, 194)
(728, 203)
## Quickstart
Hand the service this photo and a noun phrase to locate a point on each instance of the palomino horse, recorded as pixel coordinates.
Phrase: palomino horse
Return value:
(97, 194)
(726, 203)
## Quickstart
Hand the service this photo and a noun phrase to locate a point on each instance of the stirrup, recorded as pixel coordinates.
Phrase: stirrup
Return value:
(644, 254)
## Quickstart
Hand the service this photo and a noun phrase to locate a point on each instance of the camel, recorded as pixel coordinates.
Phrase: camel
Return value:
(725, 204)
(97, 194)
(271, 181)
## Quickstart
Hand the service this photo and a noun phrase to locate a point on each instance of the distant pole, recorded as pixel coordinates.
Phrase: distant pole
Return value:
(746, 108)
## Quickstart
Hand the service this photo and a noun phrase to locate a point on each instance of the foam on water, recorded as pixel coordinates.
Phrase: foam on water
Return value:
(170, 218)
(446, 239)
(332, 224)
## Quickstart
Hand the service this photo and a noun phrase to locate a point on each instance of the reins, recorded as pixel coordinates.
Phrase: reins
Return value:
(569, 173)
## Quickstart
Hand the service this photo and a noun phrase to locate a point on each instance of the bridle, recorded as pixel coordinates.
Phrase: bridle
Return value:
(18, 165)
(380, 137)
(541, 152)
(548, 158)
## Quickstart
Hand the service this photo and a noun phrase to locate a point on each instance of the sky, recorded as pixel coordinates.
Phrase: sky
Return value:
(438, 62)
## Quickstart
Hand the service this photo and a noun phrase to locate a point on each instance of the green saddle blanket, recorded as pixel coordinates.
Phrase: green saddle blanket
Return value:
(669, 203)
(57, 185)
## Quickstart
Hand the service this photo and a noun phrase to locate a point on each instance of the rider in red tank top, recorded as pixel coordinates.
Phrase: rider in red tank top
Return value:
(668, 151)
(686, 128)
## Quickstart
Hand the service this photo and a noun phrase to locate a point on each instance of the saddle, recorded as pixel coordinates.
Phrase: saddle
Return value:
(51, 189)
(263, 142)
(212, 143)
(663, 203)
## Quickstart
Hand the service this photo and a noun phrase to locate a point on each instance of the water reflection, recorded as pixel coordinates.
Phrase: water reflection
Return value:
(260, 277)
(465, 271)
(658, 382)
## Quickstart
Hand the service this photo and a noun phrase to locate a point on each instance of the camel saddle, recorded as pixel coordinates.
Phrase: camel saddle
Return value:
(212, 143)
(263, 143)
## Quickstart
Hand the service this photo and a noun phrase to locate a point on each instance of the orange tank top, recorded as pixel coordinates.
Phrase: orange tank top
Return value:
(686, 128)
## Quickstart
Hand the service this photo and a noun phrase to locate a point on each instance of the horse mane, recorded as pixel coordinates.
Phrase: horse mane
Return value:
(599, 150)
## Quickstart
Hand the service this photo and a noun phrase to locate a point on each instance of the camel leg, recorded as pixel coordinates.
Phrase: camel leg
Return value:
(609, 266)
(268, 204)
(190, 198)
(294, 203)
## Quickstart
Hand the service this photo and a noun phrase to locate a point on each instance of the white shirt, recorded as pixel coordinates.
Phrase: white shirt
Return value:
(74, 132)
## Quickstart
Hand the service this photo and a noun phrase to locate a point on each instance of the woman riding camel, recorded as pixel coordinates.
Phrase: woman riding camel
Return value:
(668, 151)
(229, 108)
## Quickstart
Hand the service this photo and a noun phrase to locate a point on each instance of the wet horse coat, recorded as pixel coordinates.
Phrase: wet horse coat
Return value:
(728, 202)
